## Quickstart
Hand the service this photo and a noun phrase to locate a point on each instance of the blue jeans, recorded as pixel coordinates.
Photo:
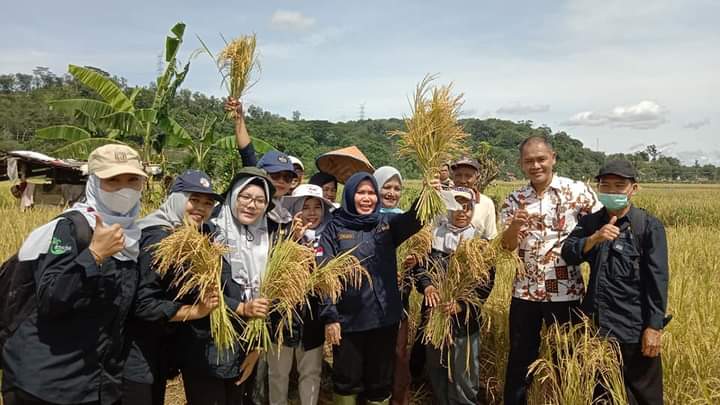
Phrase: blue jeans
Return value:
(461, 383)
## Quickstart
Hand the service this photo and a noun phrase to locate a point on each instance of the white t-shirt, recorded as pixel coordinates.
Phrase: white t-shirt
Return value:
(484, 218)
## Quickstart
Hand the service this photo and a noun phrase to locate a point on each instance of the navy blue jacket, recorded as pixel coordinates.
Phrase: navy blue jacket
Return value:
(627, 291)
(375, 242)
(72, 348)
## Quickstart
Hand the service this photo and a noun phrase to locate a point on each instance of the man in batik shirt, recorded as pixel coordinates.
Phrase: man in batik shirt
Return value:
(537, 219)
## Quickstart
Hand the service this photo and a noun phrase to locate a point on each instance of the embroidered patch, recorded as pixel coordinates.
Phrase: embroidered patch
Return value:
(57, 248)
(346, 236)
(384, 227)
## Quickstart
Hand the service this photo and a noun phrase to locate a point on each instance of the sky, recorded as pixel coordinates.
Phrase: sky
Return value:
(616, 74)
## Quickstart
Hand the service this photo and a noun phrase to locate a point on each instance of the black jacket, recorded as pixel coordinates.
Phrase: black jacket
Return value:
(71, 349)
(460, 327)
(369, 307)
(628, 284)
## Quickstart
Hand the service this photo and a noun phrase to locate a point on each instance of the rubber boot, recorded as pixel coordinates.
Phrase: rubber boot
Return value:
(344, 399)
(386, 401)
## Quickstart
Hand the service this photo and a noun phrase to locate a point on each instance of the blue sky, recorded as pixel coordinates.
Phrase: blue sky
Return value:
(615, 73)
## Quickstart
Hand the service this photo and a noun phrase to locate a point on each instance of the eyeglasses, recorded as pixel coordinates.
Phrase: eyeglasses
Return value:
(284, 176)
(247, 199)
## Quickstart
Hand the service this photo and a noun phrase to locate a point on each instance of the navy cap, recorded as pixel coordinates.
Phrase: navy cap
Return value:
(621, 168)
(195, 181)
(275, 162)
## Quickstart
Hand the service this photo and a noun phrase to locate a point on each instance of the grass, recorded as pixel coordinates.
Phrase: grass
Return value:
(691, 361)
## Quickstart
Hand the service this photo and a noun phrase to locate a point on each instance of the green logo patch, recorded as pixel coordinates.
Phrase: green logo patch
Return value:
(57, 248)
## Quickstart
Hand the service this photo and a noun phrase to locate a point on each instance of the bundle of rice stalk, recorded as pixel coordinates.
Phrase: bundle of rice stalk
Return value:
(479, 256)
(285, 283)
(331, 278)
(418, 245)
(433, 136)
(237, 61)
(194, 262)
(454, 285)
(574, 361)
(414, 316)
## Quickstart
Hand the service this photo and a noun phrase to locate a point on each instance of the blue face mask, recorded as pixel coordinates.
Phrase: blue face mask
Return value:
(613, 202)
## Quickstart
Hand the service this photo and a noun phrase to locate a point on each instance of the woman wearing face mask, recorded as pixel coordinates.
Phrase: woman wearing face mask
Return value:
(303, 340)
(150, 357)
(463, 385)
(69, 350)
(363, 325)
(245, 227)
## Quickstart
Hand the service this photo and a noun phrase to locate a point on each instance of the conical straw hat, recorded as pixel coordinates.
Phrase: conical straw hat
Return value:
(343, 163)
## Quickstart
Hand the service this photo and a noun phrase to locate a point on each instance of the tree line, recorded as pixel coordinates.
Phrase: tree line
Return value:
(25, 100)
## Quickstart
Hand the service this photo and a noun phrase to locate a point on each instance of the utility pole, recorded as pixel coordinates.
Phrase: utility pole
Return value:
(362, 112)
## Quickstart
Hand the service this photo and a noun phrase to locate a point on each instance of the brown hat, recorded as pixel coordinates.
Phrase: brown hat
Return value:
(466, 161)
(110, 160)
(343, 163)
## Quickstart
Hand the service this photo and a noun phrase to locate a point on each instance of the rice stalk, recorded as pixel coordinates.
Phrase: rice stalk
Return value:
(285, 283)
(574, 361)
(194, 261)
(414, 317)
(332, 277)
(238, 60)
(419, 246)
(433, 136)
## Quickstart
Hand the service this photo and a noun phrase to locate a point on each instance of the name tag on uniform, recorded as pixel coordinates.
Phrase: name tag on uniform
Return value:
(346, 236)
(619, 247)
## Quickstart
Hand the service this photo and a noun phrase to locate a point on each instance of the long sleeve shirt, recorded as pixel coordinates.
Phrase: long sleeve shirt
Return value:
(628, 286)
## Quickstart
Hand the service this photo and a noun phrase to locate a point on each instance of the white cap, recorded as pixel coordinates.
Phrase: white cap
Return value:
(296, 161)
(302, 192)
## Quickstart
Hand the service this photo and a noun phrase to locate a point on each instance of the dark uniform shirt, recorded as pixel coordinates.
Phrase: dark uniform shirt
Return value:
(71, 349)
(628, 284)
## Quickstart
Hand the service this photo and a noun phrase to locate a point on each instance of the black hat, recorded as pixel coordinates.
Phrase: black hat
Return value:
(621, 168)
(195, 181)
(466, 161)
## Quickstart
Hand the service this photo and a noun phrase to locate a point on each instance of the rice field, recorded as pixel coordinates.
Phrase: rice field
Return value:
(691, 358)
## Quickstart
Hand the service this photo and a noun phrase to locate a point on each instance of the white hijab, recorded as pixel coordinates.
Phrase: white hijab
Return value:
(249, 244)
(170, 214)
(38, 242)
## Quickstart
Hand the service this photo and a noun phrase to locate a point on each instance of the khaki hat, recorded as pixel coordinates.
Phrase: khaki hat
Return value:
(110, 160)
(343, 163)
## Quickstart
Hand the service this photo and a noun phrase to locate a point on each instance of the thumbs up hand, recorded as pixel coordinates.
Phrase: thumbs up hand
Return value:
(608, 232)
(106, 240)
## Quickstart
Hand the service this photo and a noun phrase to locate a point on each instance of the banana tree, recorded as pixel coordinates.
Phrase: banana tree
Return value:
(115, 117)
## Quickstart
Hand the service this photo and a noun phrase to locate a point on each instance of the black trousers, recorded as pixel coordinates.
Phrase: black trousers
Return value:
(643, 377)
(134, 393)
(364, 363)
(19, 397)
(526, 321)
(206, 390)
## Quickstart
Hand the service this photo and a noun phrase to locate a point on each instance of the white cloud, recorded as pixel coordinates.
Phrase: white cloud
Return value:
(697, 124)
(522, 109)
(643, 115)
(291, 20)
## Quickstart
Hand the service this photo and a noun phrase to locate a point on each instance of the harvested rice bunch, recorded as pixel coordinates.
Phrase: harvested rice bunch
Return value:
(330, 279)
(418, 245)
(433, 136)
(285, 283)
(237, 62)
(194, 261)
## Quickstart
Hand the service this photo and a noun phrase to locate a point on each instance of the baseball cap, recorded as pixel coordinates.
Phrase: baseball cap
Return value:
(275, 162)
(621, 168)
(195, 181)
(302, 192)
(462, 192)
(296, 161)
(466, 161)
(111, 160)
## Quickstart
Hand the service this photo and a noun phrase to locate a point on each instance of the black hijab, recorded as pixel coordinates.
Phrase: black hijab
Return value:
(347, 216)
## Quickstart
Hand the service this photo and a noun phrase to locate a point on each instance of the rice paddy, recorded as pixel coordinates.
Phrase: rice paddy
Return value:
(691, 360)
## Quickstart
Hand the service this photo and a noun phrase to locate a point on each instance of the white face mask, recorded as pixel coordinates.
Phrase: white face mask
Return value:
(121, 201)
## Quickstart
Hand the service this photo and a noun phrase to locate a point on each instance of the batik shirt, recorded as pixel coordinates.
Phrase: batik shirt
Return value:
(552, 217)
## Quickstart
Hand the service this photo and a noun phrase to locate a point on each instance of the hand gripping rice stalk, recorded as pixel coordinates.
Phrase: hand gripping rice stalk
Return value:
(285, 283)
(194, 262)
(433, 136)
(331, 278)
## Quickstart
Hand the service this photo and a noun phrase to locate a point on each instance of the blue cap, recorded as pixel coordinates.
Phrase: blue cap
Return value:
(195, 181)
(275, 162)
